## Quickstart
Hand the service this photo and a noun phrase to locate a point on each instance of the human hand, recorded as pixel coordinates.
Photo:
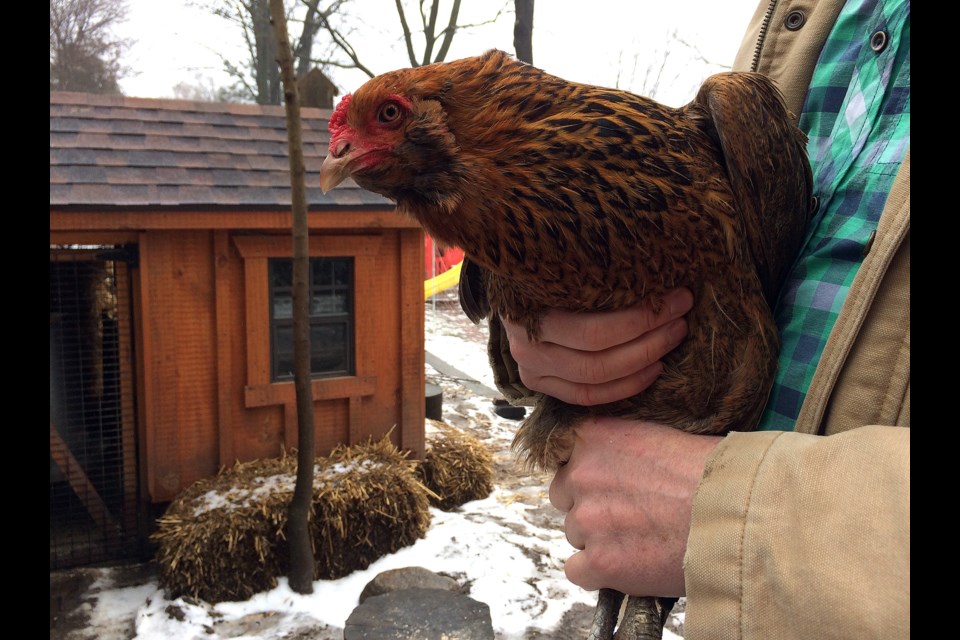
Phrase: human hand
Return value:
(590, 358)
(627, 490)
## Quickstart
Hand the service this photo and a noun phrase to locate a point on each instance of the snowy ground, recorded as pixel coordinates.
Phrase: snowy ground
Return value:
(509, 547)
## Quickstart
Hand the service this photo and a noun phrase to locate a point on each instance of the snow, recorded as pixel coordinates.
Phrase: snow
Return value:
(509, 547)
(241, 497)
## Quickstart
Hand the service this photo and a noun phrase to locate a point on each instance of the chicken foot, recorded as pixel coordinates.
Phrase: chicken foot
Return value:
(643, 617)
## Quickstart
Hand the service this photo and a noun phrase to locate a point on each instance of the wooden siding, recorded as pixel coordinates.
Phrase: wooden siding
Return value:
(205, 397)
(178, 315)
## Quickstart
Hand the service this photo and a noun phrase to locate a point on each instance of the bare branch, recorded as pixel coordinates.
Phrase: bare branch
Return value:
(407, 36)
(423, 16)
(312, 22)
(345, 46)
(324, 26)
(472, 25)
(429, 27)
(448, 32)
(311, 25)
(698, 55)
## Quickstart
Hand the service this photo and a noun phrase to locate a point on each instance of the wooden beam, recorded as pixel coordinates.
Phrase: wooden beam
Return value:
(266, 220)
(128, 424)
(265, 395)
(354, 421)
(81, 484)
(412, 355)
(224, 323)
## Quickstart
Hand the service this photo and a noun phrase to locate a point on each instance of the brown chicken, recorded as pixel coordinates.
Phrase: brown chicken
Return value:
(586, 198)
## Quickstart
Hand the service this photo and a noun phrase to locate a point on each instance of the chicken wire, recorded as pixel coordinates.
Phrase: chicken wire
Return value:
(93, 471)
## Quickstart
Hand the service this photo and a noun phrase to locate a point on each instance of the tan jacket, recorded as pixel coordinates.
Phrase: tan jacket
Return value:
(795, 535)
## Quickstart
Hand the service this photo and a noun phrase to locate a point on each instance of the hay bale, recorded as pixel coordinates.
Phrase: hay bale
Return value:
(223, 538)
(456, 467)
(369, 503)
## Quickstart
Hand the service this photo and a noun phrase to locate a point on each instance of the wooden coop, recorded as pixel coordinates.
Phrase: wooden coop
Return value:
(170, 308)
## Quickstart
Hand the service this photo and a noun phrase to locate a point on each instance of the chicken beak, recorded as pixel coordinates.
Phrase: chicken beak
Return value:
(333, 171)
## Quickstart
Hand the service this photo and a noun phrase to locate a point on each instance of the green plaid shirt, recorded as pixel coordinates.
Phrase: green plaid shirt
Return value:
(857, 116)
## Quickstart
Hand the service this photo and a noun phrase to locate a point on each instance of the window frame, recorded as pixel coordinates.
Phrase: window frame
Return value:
(346, 319)
(255, 251)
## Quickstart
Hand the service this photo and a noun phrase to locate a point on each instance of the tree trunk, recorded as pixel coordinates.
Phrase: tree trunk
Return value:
(298, 516)
(267, 56)
(523, 30)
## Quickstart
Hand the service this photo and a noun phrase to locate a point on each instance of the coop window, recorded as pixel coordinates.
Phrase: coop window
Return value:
(331, 316)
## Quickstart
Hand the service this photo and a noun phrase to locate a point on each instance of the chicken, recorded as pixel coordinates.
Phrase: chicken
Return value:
(588, 198)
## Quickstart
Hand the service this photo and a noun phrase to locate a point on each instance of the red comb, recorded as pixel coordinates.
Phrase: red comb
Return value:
(338, 121)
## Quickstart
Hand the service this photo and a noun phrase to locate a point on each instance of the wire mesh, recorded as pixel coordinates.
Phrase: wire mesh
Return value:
(93, 474)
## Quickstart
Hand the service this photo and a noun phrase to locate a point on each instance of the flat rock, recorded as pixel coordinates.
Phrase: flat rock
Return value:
(424, 614)
(407, 578)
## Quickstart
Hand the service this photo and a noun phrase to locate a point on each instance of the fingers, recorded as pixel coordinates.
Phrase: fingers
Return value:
(595, 377)
(586, 567)
(597, 563)
(596, 358)
(590, 394)
(592, 366)
(597, 331)
(579, 570)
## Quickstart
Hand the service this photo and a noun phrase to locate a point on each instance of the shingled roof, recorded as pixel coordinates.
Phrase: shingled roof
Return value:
(114, 151)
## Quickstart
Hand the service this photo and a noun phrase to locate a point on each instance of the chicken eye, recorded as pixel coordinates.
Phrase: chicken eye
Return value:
(389, 112)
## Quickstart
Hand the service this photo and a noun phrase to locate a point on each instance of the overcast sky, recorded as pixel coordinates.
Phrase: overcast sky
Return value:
(613, 43)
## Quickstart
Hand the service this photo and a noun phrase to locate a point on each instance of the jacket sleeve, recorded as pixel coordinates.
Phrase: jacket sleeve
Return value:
(802, 536)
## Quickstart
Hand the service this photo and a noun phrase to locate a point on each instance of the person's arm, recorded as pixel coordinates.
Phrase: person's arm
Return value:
(802, 536)
(768, 534)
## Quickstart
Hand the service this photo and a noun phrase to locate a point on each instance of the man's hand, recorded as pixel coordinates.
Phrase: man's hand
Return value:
(599, 357)
(628, 490)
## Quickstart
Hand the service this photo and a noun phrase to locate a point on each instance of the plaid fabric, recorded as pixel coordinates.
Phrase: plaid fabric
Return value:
(857, 116)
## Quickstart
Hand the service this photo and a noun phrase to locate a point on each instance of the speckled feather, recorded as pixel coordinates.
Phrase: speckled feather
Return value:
(575, 196)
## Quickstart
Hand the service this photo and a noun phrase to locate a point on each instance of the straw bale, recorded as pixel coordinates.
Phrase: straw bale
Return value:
(223, 537)
(456, 467)
(373, 504)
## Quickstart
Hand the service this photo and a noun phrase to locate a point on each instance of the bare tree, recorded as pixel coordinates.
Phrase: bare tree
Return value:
(430, 34)
(523, 30)
(298, 514)
(84, 53)
(257, 77)
(202, 89)
(436, 44)
(659, 73)
(326, 23)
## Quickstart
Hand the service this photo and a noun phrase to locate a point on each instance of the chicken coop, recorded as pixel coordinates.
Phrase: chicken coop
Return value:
(170, 309)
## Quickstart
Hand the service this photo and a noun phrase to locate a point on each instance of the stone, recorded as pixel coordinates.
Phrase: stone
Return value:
(424, 614)
(406, 578)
